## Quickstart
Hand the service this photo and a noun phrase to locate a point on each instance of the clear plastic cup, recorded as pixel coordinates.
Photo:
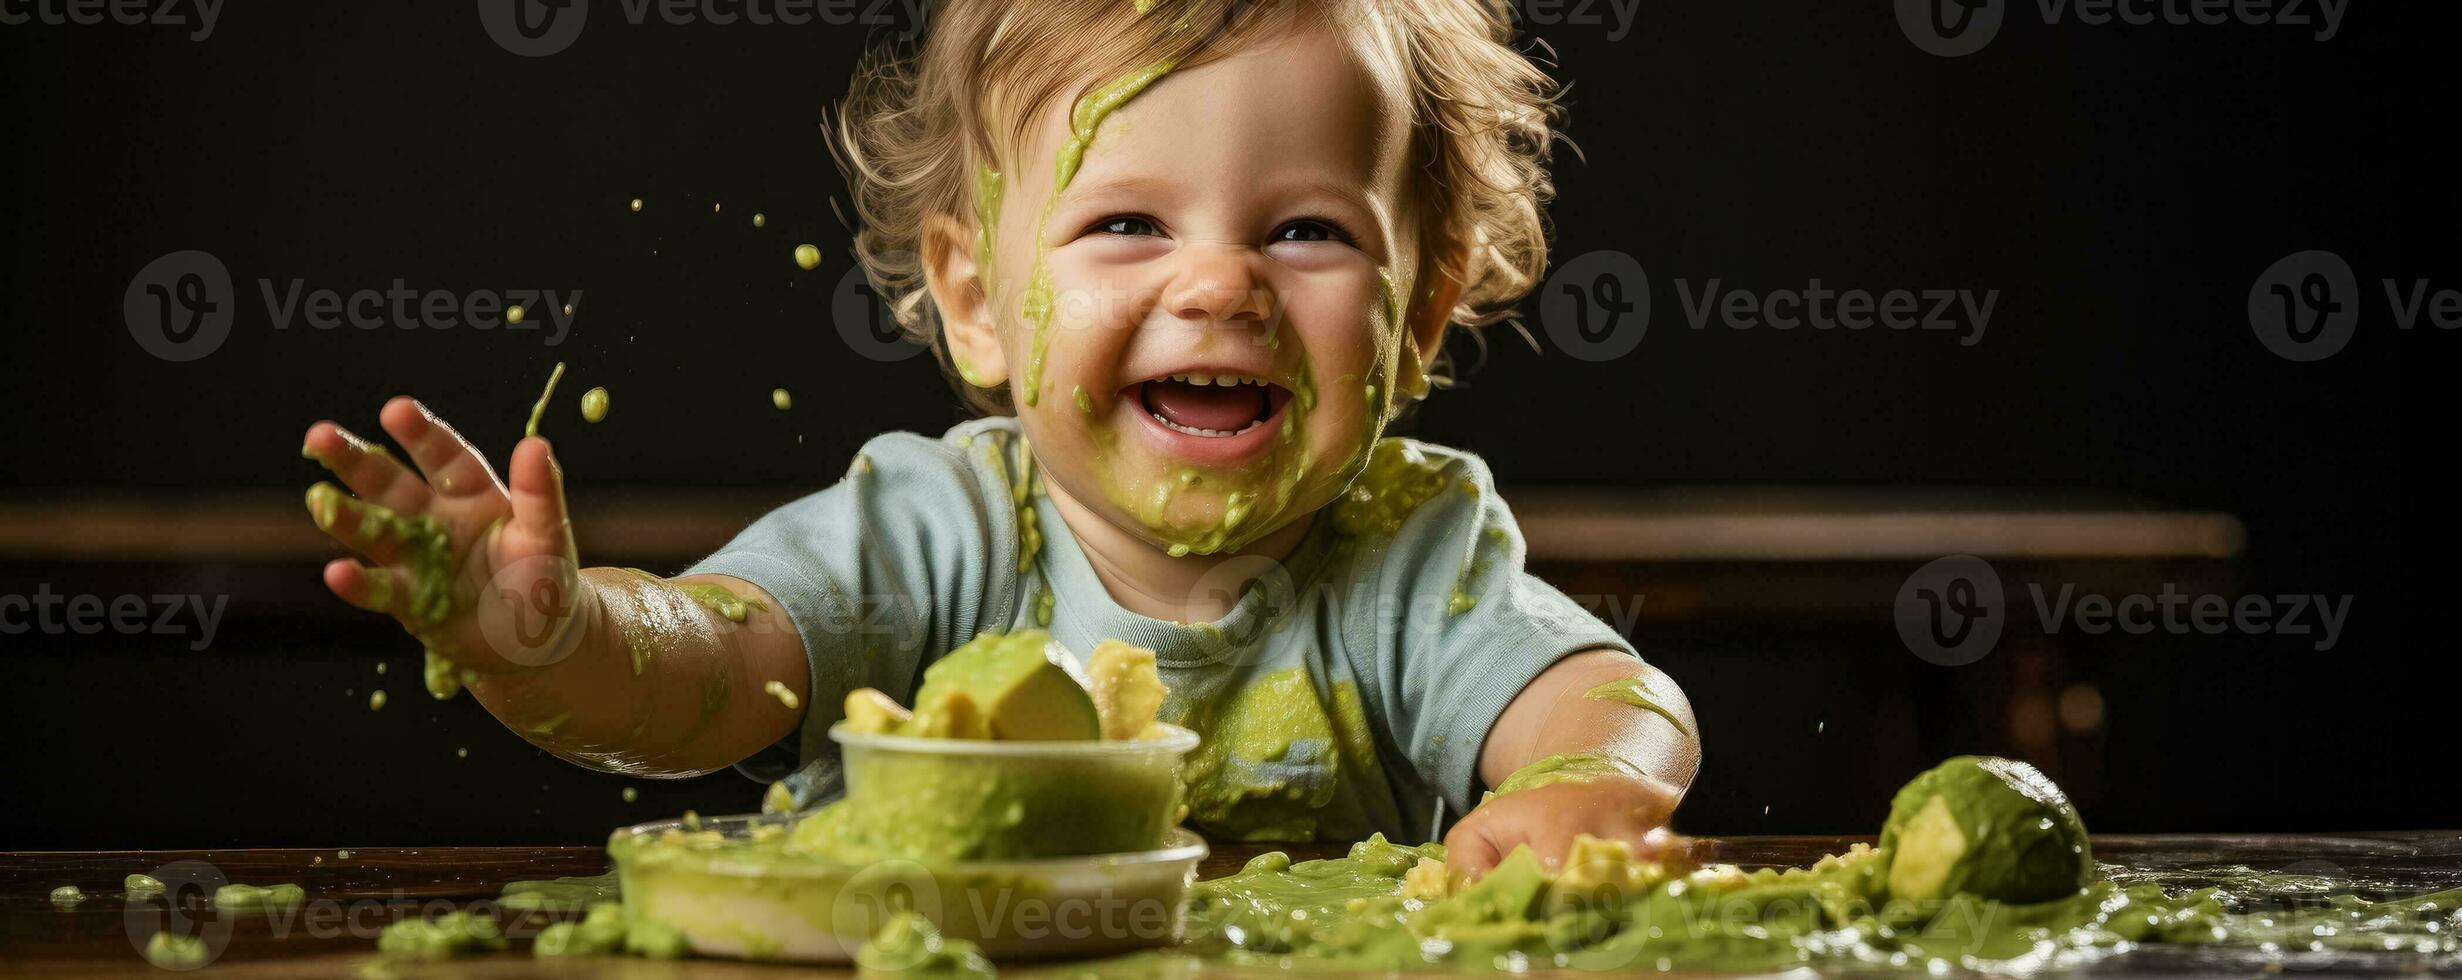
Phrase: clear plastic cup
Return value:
(728, 887)
(944, 799)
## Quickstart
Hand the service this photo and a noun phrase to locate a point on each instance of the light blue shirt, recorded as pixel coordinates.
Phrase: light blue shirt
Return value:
(1349, 692)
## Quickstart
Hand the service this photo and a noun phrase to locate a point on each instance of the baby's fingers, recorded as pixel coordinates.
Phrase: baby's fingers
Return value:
(454, 468)
(371, 529)
(365, 586)
(365, 467)
(538, 493)
(1469, 851)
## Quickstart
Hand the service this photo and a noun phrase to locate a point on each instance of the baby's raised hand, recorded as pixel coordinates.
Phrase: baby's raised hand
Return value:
(1631, 808)
(486, 578)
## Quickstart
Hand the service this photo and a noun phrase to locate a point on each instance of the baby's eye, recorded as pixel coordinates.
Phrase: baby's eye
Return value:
(1127, 224)
(1310, 230)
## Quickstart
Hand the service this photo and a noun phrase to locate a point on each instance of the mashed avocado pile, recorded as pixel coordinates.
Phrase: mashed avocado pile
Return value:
(1983, 866)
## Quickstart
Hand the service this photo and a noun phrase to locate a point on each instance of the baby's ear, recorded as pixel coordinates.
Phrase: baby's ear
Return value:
(962, 292)
(1439, 288)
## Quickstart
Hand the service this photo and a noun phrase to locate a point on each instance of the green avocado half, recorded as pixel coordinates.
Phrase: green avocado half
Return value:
(1985, 826)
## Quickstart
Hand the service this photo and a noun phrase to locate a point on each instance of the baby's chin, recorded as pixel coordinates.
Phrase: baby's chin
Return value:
(1184, 509)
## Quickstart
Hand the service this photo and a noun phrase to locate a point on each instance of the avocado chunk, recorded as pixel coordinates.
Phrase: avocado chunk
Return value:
(1510, 892)
(1013, 686)
(873, 713)
(1127, 689)
(1989, 827)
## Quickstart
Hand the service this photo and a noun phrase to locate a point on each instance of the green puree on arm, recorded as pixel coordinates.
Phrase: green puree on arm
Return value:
(1628, 691)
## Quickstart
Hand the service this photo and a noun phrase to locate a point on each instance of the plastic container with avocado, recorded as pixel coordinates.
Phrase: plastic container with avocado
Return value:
(990, 811)
(1988, 827)
(724, 887)
(1004, 758)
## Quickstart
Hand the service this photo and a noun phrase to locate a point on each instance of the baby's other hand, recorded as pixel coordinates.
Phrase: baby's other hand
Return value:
(1633, 809)
(437, 538)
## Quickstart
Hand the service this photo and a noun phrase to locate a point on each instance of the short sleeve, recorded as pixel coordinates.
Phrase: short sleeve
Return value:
(1456, 627)
(900, 560)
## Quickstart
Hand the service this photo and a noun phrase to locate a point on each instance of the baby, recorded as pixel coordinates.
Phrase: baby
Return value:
(1188, 260)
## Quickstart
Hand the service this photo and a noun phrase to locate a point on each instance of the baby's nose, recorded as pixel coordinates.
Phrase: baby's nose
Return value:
(1218, 283)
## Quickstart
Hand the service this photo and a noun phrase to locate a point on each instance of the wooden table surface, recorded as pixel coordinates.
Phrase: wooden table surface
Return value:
(351, 899)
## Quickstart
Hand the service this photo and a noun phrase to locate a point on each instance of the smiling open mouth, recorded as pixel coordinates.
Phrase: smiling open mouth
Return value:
(1210, 405)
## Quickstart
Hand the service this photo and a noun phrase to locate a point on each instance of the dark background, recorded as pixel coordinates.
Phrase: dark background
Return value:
(2120, 186)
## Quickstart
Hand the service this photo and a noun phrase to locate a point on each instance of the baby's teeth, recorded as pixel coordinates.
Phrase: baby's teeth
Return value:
(1199, 379)
(1194, 431)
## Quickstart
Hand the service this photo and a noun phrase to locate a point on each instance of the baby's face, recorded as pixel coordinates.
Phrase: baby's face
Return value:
(1224, 270)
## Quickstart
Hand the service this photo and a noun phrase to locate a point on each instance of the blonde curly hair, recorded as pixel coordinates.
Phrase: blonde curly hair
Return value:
(918, 121)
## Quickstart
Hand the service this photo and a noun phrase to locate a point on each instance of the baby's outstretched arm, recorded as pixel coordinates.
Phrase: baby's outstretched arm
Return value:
(608, 668)
(1631, 753)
